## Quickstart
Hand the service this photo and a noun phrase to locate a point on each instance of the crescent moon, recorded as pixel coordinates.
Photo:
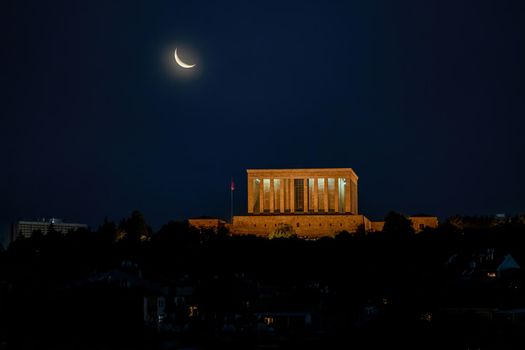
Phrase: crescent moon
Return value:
(181, 63)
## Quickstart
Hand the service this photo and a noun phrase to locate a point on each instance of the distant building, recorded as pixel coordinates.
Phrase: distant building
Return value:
(26, 228)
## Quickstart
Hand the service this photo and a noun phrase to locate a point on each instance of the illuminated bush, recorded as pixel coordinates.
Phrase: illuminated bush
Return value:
(283, 231)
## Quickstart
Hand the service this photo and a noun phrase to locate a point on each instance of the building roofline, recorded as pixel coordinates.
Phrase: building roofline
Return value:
(49, 223)
(303, 170)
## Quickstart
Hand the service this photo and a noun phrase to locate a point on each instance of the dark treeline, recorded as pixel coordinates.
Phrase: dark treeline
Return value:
(51, 294)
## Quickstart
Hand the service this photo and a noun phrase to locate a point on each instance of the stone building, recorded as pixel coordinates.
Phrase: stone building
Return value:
(207, 223)
(314, 202)
(302, 191)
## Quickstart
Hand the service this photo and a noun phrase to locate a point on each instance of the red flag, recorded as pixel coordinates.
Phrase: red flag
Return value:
(232, 185)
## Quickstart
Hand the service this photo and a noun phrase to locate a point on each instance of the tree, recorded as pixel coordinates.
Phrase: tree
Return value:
(134, 228)
(37, 235)
(52, 233)
(107, 231)
(360, 233)
(177, 232)
(223, 232)
(398, 226)
(283, 231)
(343, 236)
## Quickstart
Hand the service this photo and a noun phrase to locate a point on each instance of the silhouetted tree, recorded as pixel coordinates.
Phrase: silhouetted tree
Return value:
(360, 232)
(134, 228)
(107, 231)
(223, 232)
(53, 234)
(343, 236)
(398, 226)
(51, 231)
(36, 235)
(176, 232)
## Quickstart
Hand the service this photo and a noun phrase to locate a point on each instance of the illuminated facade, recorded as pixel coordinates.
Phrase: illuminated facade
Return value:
(314, 202)
(310, 202)
(305, 191)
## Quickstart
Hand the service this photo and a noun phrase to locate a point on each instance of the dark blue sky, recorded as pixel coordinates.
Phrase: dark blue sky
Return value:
(425, 100)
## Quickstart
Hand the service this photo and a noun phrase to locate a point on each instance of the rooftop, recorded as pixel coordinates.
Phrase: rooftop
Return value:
(303, 172)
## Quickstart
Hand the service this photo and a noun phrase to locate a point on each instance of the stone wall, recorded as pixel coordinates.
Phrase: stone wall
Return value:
(420, 222)
(207, 223)
(306, 226)
(377, 226)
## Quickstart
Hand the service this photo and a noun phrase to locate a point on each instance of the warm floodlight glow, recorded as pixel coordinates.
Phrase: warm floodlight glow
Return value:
(181, 63)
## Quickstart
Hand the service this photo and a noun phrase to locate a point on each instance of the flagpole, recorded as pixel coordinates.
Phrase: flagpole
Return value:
(232, 187)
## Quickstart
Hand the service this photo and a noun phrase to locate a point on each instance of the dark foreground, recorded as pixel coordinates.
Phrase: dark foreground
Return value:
(450, 288)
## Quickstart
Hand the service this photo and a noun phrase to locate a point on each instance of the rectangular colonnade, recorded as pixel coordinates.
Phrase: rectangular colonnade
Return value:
(302, 191)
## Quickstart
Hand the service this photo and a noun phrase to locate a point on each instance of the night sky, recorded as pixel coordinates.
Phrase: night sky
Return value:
(425, 100)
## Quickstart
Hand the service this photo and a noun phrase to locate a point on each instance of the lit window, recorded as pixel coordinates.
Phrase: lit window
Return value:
(491, 274)
(427, 316)
(193, 311)
(256, 190)
(320, 194)
(311, 195)
(277, 195)
(331, 195)
(299, 195)
(342, 194)
(266, 194)
(268, 320)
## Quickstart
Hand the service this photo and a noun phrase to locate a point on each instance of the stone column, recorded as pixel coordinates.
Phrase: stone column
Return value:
(272, 197)
(305, 195)
(325, 195)
(354, 198)
(316, 196)
(281, 197)
(250, 195)
(261, 196)
(348, 195)
(292, 196)
(336, 195)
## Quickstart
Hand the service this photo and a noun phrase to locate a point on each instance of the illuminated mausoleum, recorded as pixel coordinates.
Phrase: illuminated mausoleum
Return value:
(302, 191)
(312, 202)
